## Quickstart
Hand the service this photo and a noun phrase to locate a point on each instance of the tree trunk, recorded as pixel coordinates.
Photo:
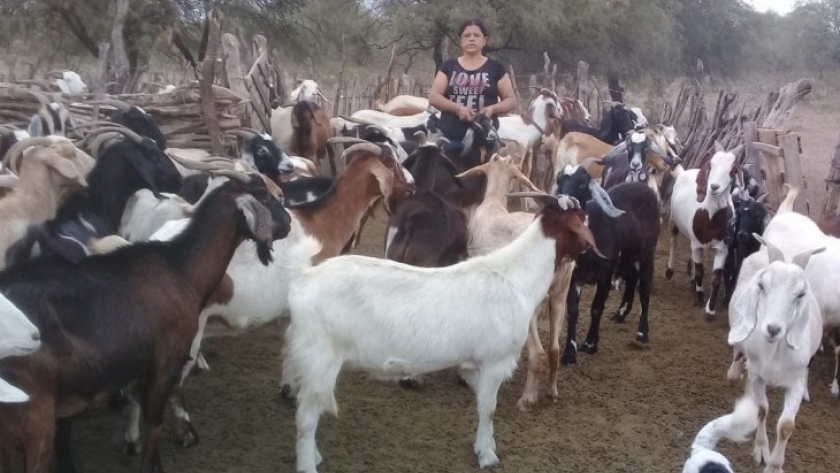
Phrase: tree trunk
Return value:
(121, 65)
(205, 84)
(832, 185)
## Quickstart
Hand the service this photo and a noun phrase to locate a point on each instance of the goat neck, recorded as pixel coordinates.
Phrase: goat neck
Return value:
(38, 199)
(338, 218)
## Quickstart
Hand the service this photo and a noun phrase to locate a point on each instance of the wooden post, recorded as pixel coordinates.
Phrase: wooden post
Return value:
(753, 156)
(102, 72)
(582, 92)
(793, 170)
(832, 185)
(772, 167)
(233, 66)
(205, 85)
(121, 66)
(515, 90)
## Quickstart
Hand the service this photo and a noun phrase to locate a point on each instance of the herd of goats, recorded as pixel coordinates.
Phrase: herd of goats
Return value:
(118, 255)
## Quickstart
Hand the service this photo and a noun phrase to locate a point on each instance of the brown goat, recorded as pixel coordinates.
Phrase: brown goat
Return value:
(372, 173)
(310, 131)
(124, 317)
(830, 225)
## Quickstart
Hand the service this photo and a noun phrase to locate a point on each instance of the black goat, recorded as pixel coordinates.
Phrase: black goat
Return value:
(750, 216)
(625, 223)
(126, 317)
(128, 164)
(426, 229)
(135, 119)
(613, 129)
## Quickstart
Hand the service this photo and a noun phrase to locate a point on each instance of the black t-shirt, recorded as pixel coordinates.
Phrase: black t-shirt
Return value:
(475, 89)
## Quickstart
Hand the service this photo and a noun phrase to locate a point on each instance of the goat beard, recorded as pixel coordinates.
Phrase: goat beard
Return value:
(264, 252)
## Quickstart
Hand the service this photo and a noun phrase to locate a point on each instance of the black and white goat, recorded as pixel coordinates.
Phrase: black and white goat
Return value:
(613, 129)
(625, 223)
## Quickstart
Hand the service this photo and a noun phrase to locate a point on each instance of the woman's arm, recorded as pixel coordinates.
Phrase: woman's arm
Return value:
(508, 96)
(436, 98)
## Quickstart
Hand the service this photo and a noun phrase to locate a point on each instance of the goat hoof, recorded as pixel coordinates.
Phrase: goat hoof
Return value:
(132, 448)
(408, 383)
(710, 317)
(286, 392)
(618, 317)
(462, 382)
(641, 341)
(591, 348)
(699, 299)
(187, 436)
(669, 273)
(569, 355)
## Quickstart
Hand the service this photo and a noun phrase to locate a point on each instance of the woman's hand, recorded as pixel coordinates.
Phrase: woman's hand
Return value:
(488, 111)
(465, 113)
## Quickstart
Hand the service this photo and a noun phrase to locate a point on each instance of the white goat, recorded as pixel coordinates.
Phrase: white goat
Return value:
(794, 233)
(529, 128)
(735, 426)
(18, 337)
(307, 89)
(775, 322)
(396, 320)
(701, 208)
(71, 83)
(388, 120)
(404, 101)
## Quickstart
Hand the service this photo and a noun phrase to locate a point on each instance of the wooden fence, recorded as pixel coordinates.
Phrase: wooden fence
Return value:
(777, 155)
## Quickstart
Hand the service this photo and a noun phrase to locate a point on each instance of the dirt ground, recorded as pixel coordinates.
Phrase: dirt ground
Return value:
(622, 410)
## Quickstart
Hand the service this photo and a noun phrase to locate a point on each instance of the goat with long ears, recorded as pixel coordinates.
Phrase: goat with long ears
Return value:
(776, 323)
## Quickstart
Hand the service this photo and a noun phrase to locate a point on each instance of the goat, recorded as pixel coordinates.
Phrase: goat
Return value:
(775, 322)
(701, 208)
(48, 173)
(426, 229)
(794, 233)
(310, 130)
(19, 338)
(379, 332)
(735, 426)
(51, 119)
(372, 173)
(404, 102)
(750, 216)
(625, 223)
(306, 90)
(491, 227)
(127, 165)
(631, 160)
(123, 317)
(541, 118)
(71, 83)
(614, 126)
(135, 119)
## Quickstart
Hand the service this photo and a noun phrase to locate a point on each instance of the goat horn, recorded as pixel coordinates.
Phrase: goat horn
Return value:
(118, 104)
(801, 259)
(251, 130)
(14, 153)
(360, 121)
(325, 99)
(96, 123)
(39, 96)
(367, 146)
(762, 197)
(196, 165)
(346, 139)
(420, 135)
(118, 129)
(8, 181)
(244, 134)
(773, 251)
(231, 174)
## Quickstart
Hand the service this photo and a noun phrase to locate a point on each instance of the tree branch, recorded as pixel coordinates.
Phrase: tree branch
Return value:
(75, 24)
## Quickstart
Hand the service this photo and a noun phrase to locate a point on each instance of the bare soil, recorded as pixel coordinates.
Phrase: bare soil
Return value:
(622, 410)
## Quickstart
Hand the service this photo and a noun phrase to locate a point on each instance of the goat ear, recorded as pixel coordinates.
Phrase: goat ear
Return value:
(703, 181)
(258, 220)
(385, 179)
(468, 140)
(744, 313)
(67, 169)
(10, 394)
(36, 126)
(143, 166)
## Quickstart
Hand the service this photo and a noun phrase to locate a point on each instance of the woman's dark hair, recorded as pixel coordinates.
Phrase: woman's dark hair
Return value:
(473, 22)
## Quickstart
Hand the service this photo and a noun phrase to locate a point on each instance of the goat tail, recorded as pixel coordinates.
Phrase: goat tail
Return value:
(790, 198)
(734, 426)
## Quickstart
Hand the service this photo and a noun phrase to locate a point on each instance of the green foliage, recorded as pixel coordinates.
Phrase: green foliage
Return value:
(633, 39)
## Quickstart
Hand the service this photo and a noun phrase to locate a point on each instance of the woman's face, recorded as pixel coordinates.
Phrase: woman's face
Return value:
(472, 39)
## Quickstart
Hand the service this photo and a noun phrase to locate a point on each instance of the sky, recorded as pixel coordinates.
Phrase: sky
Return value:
(780, 6)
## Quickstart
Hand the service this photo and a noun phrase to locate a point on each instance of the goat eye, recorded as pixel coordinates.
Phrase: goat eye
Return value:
(800, 295)
(761, 287)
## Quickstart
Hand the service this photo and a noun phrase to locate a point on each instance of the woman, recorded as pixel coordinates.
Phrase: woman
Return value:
(469, 84)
